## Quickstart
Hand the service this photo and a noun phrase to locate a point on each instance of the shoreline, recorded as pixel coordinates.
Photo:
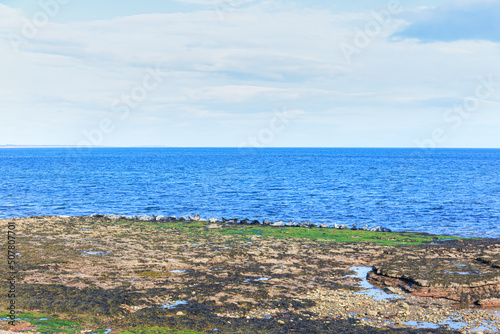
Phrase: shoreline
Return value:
(247, 222)
(202, 275)
(286, 223)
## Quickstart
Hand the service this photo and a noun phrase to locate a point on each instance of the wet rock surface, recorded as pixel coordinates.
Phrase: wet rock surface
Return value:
(463, 274)
(490, 257)
(122, 274)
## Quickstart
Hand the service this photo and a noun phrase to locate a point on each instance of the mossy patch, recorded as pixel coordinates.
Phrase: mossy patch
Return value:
(155, 274)
(335, 235)
(157, 331)
(192, 230)
(43, 323)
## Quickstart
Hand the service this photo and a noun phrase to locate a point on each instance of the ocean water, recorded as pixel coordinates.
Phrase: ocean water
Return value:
(445, 191)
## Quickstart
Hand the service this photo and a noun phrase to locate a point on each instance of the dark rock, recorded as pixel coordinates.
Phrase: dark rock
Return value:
(307, 225)
(230, 221)
(464, 280)
(491, 258)
(145, 218)
(489, 302)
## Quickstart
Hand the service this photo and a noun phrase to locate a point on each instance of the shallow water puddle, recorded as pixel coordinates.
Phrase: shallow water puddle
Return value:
(257, 280)
(369, 289)
(178, 271)
(86, 253)
(174, 304)
(462, 272)
(379, 294)
(452, 325)
(218, 249)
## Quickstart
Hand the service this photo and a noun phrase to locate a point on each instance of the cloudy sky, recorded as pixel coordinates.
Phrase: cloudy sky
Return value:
(370, 73)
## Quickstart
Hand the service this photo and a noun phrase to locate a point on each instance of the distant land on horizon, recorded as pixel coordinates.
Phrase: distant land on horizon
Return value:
(160, 146)
(38, 146)
(59, 146)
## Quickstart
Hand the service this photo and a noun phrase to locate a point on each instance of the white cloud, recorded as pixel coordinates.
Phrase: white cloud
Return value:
(222, 75)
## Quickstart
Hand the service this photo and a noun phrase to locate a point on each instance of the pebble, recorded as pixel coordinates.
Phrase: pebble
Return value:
(213, 226)
(343, 304)
(145, 218)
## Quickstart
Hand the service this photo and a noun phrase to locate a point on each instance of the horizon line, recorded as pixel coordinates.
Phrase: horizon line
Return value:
(12, 146)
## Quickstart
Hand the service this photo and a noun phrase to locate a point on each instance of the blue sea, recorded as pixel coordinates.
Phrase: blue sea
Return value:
(445, 191)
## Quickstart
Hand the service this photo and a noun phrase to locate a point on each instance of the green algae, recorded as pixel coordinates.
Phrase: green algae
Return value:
(157, 331)
(155, 274)
(49, 324)
(192, 230)
(53, 324)
(332, 235)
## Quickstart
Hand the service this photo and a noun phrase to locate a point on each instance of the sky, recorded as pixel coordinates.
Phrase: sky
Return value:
(250, 73)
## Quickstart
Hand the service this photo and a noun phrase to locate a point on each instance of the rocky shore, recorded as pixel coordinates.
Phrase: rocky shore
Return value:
(117, 274)
(245, 221)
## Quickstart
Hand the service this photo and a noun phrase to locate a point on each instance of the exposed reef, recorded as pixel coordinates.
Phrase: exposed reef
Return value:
(193, 275)
(233, 221)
